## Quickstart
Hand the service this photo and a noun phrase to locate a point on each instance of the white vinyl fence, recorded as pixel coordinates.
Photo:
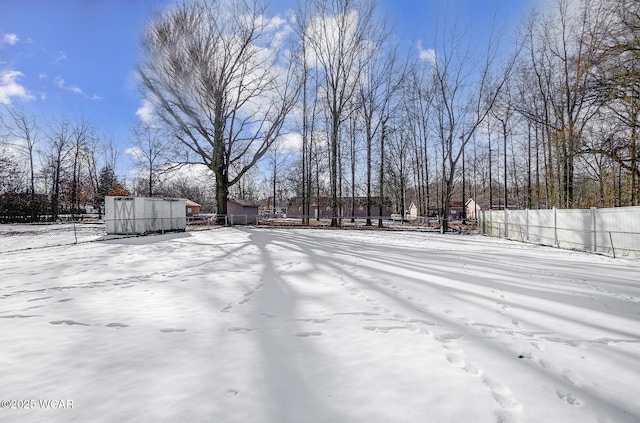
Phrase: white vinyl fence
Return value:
(614, 231)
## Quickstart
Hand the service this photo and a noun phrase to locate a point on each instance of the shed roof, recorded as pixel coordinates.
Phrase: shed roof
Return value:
(243, 203)
(191, 203)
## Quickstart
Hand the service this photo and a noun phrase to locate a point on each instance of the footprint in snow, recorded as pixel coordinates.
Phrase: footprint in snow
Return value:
(19, 316)
(456, 360)
(308, 334)
(382, 329)
(313, 320)
(168, 330)
(447, 337)
(116, 325)
(239, 330)
(569, 398)
(472, 370)
(502, 394)
(226, 308)
(68, 322)
(38, 299)
(537, 346)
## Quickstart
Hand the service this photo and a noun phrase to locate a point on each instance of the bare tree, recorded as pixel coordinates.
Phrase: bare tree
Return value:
(417, 100)
(81, 134)
(466, 84)
(23, 131)
(338, 36)
(562, 50)
(212, 73)
(278, 155)
(378, 85)
(617, 83)
(150, 153)
(60, 137)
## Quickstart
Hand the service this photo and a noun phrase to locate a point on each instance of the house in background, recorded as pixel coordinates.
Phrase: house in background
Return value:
(412, 212)
(321, 208)
(193, 208)
(473, 209)
(241, 212)
(475, 206)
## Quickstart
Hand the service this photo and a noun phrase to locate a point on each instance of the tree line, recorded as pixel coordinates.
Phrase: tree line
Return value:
(54, 167)
(63, 166)
(543, 117)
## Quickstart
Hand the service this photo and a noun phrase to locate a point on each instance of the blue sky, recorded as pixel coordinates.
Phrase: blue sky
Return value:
(77, 58)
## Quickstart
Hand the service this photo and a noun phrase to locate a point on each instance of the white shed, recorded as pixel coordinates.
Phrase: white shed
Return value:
(142, 215)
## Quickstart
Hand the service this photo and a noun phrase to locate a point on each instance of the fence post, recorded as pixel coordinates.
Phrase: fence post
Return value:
(594, 226)
(555, 226)
(506, 223)
(613, 249)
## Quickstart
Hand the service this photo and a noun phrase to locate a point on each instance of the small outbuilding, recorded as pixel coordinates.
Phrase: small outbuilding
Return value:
(240, 212)
(412, 212)
(192, 207)
(143, 215)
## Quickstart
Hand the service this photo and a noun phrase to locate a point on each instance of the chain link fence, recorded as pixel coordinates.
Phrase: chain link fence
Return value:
(614, 232)
(15, 237)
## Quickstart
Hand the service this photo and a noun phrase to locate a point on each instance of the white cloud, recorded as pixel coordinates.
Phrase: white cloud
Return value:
(290, 142)
(9, 87)
(60, 58)
(42, 76)
(145, 112)
(96, 97)
(60, 83)
(10, 39)
(134, 152)
(426, 54)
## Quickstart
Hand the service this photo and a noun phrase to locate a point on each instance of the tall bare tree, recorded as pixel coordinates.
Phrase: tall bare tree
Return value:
(617, 82)
(466, 83)
(338, 36)
(81, 134)
(213, 72)
(562, 53)
(56, 153)
(377, 87)
(23, 132)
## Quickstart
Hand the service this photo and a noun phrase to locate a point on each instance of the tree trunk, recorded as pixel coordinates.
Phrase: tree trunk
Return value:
(334, 170)
(381, 175)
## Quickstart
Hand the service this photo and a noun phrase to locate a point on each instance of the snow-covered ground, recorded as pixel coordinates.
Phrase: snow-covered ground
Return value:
(14, 237)
(269, 325)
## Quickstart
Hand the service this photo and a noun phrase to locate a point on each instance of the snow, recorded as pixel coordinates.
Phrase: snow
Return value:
(14, 237)
(294, 325)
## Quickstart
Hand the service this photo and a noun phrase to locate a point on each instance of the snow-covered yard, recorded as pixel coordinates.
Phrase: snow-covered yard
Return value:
(268, 325)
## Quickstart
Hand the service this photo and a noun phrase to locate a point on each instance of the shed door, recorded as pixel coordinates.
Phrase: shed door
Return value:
(124, 209)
